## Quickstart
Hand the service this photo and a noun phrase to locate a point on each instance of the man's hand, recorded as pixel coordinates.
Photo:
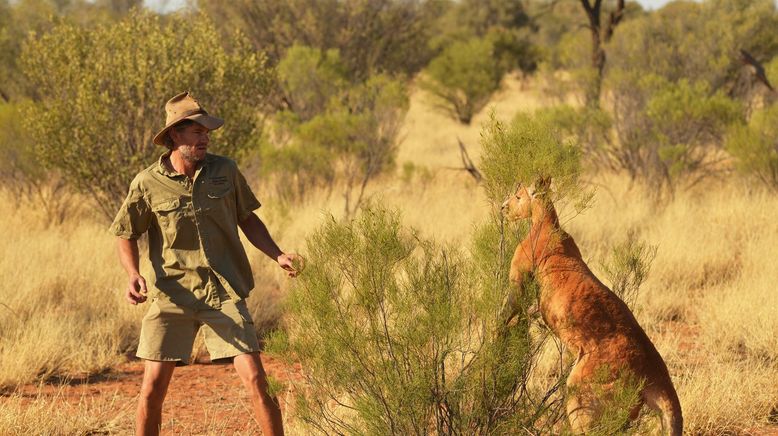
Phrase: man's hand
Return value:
(136, 289)
(292, 263)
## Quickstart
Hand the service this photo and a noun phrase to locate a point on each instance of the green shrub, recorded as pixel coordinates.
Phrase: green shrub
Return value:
(687, 120)
(377, 36)
(101, 92)
(22, 176)
(16, 150)
(353, 141)
(589, 128)
(619, 393)
(397, 335)
(755, 146)
(627, 267)
(310, 78)
(668, 135)
(527, 149)
(463, 77)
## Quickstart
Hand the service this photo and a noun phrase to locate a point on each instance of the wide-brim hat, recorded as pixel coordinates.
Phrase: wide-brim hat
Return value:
(184, 107)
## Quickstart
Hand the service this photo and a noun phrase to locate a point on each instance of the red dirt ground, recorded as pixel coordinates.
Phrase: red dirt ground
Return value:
(203, 398)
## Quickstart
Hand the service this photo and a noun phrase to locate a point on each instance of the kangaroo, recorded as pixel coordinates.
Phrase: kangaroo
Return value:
(590, 320)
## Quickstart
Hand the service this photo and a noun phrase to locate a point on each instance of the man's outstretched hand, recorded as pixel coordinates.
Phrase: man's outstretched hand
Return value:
(136, 290)
(292, 263)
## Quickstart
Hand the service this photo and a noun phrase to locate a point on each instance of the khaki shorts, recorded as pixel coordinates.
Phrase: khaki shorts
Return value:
(168, 331)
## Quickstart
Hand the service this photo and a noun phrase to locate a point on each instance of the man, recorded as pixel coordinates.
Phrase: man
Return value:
(191, 203)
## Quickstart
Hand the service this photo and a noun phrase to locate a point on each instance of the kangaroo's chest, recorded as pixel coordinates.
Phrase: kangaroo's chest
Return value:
(568, 295)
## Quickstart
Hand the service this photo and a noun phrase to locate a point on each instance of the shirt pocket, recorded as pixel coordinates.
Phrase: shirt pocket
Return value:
(177, 223)
(167, 210)
(220, 201)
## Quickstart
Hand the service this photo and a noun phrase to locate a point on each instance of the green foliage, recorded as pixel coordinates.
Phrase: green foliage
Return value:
(377, 36)
(397, 335)
(22, 175)
(668, 133)
(589, 128)
(618, 394)
(771, 70)
(573, 55)
(102, 91)
(353, 140)
(686, 120)
(16, 148)
(696, 41)
(755, 146)
(479, 17)
(671, 86)
(503, 22)
(310, 78)
(464, 76)
(522, 152)
(16, 20)
(627, 267)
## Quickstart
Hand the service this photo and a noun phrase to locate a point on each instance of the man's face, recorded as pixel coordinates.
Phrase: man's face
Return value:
(191, 142)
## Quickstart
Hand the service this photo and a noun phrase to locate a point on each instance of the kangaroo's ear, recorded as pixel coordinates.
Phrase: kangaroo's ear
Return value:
(541, 186)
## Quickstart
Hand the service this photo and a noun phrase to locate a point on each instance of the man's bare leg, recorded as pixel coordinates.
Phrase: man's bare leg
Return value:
(251, 372)
(156, 379)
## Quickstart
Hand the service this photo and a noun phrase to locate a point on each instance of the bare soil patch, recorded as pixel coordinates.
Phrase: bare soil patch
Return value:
(203, 398)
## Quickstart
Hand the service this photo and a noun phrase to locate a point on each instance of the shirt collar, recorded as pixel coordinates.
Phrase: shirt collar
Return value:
(171, 173)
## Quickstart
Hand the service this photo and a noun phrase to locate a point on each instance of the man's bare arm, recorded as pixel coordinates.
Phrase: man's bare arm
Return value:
(256, 232)
(130, 260)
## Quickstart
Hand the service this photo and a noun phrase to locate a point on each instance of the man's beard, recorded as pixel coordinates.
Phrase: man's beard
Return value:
(190, 155)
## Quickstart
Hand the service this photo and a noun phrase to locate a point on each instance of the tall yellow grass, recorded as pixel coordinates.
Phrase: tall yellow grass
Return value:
(709, 303)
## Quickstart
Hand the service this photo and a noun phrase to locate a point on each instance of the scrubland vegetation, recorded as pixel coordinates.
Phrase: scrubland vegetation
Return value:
(346, 117)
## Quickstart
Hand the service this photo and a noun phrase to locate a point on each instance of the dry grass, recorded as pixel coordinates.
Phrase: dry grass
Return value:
(60, 313)
(52, 415)
(709, 303)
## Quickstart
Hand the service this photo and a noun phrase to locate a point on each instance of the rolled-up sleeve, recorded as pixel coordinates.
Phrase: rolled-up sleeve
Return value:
(134, 216)
(244, 198)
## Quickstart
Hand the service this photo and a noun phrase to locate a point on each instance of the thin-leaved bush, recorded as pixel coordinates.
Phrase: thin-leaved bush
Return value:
(399, 335)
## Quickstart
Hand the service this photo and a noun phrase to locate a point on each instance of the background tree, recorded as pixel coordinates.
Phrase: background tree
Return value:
(372, 36)
(696, 41)
(505, 22)
(353, 140)
(463, 77)
(478, 42)
(100, 92)
(666, 135)
(309, 78)
(601, 33)
(17, 19)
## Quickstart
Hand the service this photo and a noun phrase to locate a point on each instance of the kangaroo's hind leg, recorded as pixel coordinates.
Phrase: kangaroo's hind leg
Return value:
(581, 412)
(582, 407)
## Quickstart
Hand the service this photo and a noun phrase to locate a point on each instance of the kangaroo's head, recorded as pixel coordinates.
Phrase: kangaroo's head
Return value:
(520, 204)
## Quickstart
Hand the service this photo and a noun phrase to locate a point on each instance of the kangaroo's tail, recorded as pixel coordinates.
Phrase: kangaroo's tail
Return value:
(672, 418)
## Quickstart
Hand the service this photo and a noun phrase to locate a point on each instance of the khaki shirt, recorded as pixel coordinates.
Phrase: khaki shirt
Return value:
(192, 227)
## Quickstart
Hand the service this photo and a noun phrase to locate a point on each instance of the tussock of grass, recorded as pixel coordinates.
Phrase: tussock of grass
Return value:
(62, 313)
(54, 415)
(727, 395)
